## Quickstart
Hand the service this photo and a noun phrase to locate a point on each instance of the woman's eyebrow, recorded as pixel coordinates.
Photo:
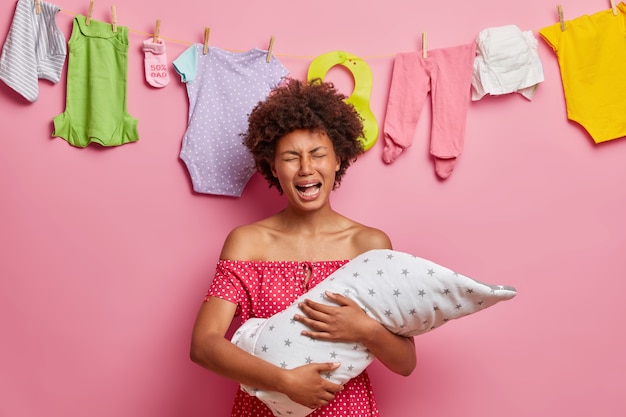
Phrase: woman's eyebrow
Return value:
(292, 152)
(319, 148)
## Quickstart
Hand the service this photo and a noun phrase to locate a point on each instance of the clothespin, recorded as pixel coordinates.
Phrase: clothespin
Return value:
(560, 11)
(38, 6)
(206, 40)
(269, 50)
(89, 13)
(613, 7)
(157, 29)
(113, 19)
(424, 49)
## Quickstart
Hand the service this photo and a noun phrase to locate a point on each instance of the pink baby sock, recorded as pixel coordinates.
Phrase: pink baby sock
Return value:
(155, 62)
(444, 167)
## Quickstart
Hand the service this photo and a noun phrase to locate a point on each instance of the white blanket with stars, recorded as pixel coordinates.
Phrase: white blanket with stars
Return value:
(407, 294)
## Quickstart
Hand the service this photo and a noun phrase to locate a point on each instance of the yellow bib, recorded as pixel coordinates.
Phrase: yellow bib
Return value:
(360, 98)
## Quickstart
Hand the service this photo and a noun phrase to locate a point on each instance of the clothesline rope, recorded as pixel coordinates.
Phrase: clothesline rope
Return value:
(188, 43)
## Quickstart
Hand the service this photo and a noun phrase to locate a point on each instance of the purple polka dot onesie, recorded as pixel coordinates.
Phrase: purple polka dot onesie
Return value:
(223, 87)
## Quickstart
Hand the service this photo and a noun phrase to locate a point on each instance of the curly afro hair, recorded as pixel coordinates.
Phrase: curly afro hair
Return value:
(315, 106)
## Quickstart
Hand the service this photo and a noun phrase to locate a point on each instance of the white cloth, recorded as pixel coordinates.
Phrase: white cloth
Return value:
(407, 294)
(506, 62)
(34, 49)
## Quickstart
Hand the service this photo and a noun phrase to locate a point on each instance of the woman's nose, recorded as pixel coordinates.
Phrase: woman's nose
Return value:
(306, 166)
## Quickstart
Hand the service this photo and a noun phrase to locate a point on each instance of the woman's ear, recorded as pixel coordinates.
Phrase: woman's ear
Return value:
(338, 166)
(273, 171)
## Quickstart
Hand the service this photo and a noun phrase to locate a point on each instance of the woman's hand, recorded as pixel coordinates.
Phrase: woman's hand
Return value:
(307, 385)
(346, 322)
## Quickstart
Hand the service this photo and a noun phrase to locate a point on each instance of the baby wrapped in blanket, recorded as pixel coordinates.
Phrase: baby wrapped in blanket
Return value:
(407, 294)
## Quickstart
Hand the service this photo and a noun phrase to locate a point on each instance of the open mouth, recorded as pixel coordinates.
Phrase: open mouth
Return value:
(309, 190)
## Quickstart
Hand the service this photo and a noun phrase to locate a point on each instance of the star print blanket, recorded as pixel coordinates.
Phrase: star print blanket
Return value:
(407, 294)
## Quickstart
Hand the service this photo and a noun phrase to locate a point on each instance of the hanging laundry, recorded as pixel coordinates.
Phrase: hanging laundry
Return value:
(34, 49)
(360, 97)
(155, 63)
(506, 62)
(95, 108)
(222, 87)
(592, 60)
(445, 73)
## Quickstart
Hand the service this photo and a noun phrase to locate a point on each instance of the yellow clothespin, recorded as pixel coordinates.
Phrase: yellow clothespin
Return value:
(560, 11)
(206, 40)
(424, 49)
(613, 7)
(113, 18)
(269, 50)
(89, 13)
(157, 29)
(38, 6)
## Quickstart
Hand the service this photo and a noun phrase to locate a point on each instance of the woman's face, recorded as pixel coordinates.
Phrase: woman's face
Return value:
(305, 164)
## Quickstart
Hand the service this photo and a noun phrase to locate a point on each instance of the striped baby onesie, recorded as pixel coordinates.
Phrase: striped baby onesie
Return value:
(34, 49)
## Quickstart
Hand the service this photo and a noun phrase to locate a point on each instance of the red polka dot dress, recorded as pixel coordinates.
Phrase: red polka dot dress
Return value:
(263, 288)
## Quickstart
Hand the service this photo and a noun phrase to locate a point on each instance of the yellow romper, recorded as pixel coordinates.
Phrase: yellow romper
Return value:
(591, 52)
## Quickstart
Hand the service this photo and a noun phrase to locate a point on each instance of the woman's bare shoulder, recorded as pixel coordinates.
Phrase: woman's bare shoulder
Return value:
(245, 242)
(366, 238)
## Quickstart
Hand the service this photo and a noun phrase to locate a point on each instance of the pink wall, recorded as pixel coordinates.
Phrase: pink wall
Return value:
(107, 253)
